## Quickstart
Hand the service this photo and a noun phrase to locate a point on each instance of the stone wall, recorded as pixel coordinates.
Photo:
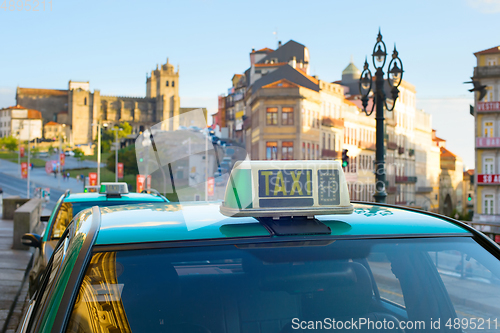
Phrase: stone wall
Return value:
(48, 101)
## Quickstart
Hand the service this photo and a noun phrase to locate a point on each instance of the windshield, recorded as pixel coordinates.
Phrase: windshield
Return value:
(414, 284)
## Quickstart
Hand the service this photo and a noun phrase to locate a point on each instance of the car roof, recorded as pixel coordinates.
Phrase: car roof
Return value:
(93, 196)
(201, 221)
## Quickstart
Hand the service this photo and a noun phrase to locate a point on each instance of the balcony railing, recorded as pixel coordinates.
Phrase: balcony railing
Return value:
(330, 153)
(332, 122)
(486, 71)
(406, 179)
(366, 145)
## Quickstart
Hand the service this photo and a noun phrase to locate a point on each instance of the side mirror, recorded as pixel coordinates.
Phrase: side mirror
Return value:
(32, 240)
(45, 218)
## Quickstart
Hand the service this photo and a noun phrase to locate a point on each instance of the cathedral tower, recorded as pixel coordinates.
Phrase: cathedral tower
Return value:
(163, 85)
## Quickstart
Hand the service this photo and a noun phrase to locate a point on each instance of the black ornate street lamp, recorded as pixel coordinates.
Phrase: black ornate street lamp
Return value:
(395, 76)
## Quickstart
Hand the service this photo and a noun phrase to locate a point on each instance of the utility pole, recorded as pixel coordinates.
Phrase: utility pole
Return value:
(29, 153)
(206, 168)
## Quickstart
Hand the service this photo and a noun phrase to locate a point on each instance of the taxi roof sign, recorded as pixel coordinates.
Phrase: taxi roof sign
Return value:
(114, 188)
(286, 188)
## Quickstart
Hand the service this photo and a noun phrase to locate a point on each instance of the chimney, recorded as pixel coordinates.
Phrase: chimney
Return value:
(252, 57)
(279, 44)
(293, 62)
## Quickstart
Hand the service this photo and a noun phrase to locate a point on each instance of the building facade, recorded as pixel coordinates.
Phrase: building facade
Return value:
(289, 114)
(20, 122)
(79, 108)
(487, 136)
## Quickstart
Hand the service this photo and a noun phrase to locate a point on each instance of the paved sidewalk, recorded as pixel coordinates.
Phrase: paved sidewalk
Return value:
(13, 264)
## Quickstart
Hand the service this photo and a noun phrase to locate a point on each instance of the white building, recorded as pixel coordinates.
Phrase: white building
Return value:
(20, 122)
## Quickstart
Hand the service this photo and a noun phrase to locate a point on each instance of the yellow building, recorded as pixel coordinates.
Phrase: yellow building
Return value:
(487, 136)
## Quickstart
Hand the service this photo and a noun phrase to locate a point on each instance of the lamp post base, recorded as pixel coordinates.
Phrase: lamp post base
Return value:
(380, 196)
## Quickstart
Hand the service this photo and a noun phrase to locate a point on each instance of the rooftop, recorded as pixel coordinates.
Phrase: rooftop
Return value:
(199, 221)
(36, 91)
(492, 50)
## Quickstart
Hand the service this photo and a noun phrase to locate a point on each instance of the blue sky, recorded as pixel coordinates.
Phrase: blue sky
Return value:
(114, 43)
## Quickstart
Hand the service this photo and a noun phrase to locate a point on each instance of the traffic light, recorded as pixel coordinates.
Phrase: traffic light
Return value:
(345, 158)
(469, 197)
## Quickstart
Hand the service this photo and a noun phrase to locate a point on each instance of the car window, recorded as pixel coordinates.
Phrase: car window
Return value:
(271, 287)
(473, 288)
(64, 217)
(388, 284)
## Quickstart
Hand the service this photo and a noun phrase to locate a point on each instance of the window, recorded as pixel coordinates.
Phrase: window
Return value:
(369, 278)
(488, 129)
(272, 116)
(489, 165)
(85, 101)
(489, 204)
(324, 140)
(491, 62)
(329, 139)
(304, 151)
(287, 150)
(166, 83)
(173, 83)
(271, 150)
(287, 116)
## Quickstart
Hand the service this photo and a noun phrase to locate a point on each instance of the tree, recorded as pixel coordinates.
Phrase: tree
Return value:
(10, 143)
(127, 157)
(108, 135)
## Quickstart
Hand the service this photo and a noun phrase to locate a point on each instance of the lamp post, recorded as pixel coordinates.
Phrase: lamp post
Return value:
(395, 76)
(59, 153)
(99, 124)
(116, 129)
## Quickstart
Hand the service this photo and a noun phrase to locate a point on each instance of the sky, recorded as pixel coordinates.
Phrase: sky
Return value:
(113, 44)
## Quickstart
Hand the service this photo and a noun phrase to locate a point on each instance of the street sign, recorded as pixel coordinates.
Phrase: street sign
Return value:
(140, 183)
(61, 159)
(22, 151)
(210, 186)
(93, 178)
(24, 170)
(120, 170)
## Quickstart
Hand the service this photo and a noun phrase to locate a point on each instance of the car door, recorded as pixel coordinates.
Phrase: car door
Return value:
(38, 302)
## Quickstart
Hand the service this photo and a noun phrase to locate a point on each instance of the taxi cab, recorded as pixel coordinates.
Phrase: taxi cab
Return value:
(68, 205)
(284, 251)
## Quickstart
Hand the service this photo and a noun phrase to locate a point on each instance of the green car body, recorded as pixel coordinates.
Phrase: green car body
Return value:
(170, 225)
(76, 202)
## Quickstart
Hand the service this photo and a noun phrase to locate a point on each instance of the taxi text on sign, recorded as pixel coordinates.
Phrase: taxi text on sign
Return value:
(296, 187)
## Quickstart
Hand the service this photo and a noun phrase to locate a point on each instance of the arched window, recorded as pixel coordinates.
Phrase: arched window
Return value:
(166, 83)
(173, 83)
(85, 101)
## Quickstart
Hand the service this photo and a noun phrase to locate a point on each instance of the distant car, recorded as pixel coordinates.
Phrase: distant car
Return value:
(182, 128)
(43, 154)
(225, 166)
(69, 153)
(68, 206)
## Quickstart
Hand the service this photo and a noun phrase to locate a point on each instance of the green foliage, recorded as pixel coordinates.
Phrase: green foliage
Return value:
(127, 157)
(78, 154)
(34, 151)
(108, 135)
(10, 143)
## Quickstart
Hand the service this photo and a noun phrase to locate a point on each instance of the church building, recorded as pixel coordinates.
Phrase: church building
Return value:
(79, 108)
